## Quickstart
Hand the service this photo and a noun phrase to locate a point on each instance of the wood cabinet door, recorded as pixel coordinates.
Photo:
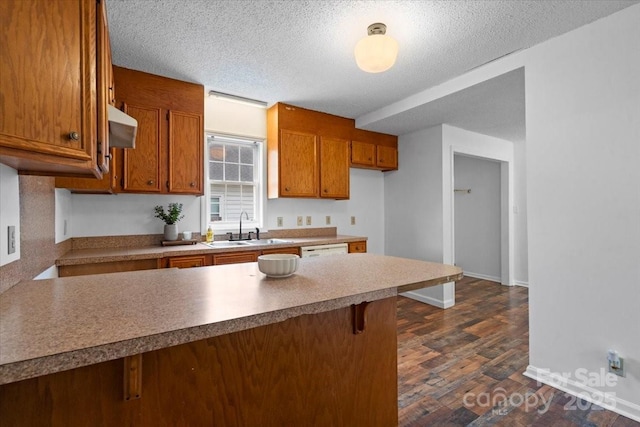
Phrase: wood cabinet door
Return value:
(298, 166)
(47, 86)
(103, 69)
(295, 251)
(363, 153)
(141, 166)
(187, 261)
(186, 150)
(387, 157)
(357, 247)
(334, 168)
(235, 257)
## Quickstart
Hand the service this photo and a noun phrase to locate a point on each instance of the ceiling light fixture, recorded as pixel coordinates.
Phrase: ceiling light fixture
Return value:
(238, 99)
(377, 52)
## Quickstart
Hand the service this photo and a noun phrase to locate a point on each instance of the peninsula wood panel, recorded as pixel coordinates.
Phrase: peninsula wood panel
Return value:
(308, 370)
(334, 168)
(294, 251)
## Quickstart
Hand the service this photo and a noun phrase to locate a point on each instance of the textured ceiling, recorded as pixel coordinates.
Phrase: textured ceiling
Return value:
(301, 52)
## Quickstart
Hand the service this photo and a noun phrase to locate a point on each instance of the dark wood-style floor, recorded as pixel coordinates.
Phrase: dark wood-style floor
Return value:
(463, 366)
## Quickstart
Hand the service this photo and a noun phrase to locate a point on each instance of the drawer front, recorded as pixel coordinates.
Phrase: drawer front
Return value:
(357, 247)
(188, 261)
(235, 258)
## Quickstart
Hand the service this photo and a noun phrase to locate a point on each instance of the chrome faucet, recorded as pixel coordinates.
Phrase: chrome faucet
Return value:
(240, 231)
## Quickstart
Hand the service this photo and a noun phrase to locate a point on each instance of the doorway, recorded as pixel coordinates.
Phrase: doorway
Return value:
(477, 205)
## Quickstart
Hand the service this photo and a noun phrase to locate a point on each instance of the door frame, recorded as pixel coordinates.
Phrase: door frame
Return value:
(503, 153)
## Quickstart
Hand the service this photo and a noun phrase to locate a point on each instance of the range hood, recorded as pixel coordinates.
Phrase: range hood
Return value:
(122, 129)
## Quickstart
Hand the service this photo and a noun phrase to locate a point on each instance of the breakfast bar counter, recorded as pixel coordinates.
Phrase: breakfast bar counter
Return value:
(230, 337)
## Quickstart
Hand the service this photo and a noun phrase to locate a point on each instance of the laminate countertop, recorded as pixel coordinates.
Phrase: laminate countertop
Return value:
(111, 254)
(52, 325)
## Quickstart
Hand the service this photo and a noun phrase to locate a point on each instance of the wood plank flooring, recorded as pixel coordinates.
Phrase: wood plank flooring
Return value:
(463, 366)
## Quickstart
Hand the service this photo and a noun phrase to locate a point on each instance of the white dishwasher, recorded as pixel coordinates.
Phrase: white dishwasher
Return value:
(324, 250)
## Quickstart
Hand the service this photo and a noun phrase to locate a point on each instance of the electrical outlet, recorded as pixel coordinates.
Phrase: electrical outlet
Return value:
(308, 220)
(328, 220)
(279, 221)
(299, 221)
(353, 220)
(11, 239)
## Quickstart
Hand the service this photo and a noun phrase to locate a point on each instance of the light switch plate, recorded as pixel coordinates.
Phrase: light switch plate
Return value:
(11, 239)
(328, 220)
(353, 220)
(279, 221)
(308, 220)
(299, 221)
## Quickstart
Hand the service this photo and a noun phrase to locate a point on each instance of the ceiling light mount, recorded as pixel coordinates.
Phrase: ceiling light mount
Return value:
(377, 28)
(377, 52)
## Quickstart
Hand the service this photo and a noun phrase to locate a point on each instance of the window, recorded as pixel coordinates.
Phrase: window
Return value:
(234, 168)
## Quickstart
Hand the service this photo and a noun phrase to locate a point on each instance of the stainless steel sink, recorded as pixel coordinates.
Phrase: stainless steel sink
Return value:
(226, 243)
(268, 241)
(232, 243)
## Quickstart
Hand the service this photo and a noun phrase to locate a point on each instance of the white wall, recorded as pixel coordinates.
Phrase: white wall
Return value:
(366, 203)
(583, 177)
(477, 217)
(520, 213)
(413, 206)
(9, 212)
(124, 214)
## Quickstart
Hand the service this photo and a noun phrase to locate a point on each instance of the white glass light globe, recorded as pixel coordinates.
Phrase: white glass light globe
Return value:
(376, 53)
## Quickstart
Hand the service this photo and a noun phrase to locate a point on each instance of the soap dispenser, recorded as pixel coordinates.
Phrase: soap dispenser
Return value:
(209, 235)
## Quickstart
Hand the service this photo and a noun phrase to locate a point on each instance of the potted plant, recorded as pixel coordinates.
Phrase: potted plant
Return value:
(170, 218)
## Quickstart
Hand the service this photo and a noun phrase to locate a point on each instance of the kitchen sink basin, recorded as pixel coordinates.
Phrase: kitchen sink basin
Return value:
(233, 243)
(268, 241)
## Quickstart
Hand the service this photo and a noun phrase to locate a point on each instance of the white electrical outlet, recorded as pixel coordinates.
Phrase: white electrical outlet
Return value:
(328, 219)
(299, 221)
(308, 220)
(11, 239)
(353, 220)
(279, 221)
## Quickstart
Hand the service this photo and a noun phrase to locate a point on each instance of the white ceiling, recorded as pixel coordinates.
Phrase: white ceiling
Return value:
(301, 52)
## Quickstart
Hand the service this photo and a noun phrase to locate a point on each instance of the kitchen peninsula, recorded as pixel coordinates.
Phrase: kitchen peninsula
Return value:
(221, 345)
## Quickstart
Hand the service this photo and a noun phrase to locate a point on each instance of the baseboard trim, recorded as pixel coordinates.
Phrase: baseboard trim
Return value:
(482, 276)
(429, 300)
(523, 284)
(569, 385)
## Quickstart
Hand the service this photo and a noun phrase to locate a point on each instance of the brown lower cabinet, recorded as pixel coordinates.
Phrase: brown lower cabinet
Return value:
(307, 370)
(358, 247)
(235, 257)
(108, 267)
(295, 251)
(189, 261)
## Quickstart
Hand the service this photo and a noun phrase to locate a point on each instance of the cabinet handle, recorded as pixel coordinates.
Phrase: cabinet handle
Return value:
(193, 184)
(381, 160)
(286, 188)
(150, 182)
(74, 136)
(107, 156)
(326, 191)
(369, 159)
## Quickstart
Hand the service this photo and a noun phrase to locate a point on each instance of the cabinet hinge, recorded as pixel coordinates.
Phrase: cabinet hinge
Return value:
(167, 185)
(167, 115)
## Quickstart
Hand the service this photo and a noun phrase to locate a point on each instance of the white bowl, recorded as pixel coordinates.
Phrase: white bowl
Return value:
(278, 265)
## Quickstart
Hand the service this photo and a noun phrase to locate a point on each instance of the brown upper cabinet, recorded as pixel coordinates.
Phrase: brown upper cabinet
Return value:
(55, 62)
(308, 153)
(168, 157)
(373, 150)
